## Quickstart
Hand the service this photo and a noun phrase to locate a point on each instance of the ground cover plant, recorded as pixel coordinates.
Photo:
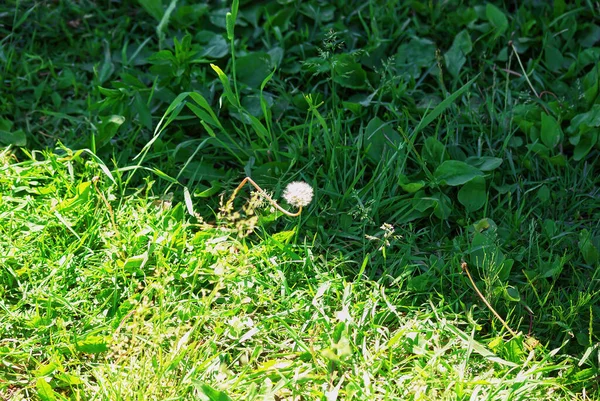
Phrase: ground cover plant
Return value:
(451, 248)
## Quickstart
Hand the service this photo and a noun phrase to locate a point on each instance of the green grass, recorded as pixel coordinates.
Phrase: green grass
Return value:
(164, 304)
(432, 143)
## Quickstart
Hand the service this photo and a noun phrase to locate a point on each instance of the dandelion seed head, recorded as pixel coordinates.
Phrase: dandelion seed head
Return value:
(298, 194)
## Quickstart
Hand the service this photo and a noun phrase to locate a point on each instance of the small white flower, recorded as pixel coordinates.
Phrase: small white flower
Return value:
(298, 194)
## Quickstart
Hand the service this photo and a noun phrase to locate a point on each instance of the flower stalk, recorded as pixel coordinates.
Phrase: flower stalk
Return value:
(298, 194)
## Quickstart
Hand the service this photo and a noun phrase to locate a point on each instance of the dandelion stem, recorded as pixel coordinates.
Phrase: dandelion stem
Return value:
(265, 195)
(485, 301)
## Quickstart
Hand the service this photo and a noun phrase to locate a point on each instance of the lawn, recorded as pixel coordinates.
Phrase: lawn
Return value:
(421, 222)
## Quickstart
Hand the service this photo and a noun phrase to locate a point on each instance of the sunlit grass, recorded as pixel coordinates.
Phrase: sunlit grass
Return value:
(164, 305)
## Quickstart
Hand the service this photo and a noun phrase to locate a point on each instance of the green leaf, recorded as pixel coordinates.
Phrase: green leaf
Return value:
(478, 347)
(585, 120)
(512, 294)
(100, 163)
(110, 93)
(45, 391)
(216, 47)
(252, 104)
(588, 250)
(410, 187)
(68, 379)
(434, 152)
(558, 160)
(551, 134)
(92, 345)
(484, 224)
(17, 138)
(554, 59)
(23, 18)
(153, 7)
(281, 19)
(209, 191)
(443, 205)
(484, 163)
(505, 267)
(226, 86)
(549, 228)
(380, 137)
(454, 172)
(284, 236)
(538, 149)
(472, 195)
(455, 57)
(543, 194)
(133, 263)
(513, 350)
(107, 129)
(496, 18)
(162, 57)
(414, 56)
(421, 283)
(196, 170)
(164, 176)
(349, 73)
(47, 369)
(8, 137)
(586, 142)
(591, 85)
(202, 102)
(253, 68)
(264, 104)
(422, 202)
(552, 269)
(82, 195)
(443, 105)
(164, 21)
(107, 68)
(207, 393)
(144, 113)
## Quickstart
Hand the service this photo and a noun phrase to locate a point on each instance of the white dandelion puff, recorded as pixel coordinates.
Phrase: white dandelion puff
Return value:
(298, 194)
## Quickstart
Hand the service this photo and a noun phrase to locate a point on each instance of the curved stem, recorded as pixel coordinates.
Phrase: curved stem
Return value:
(265, 195)
(485, 301)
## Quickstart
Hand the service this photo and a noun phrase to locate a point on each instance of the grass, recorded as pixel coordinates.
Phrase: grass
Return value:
(163, 305)
(432, 146)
